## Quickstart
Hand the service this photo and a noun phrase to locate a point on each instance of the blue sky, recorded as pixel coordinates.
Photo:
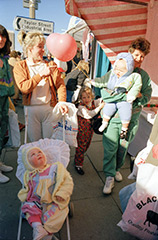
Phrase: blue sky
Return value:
(49, 10)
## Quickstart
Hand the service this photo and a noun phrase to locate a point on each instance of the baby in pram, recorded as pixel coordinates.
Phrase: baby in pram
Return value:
(46, 193)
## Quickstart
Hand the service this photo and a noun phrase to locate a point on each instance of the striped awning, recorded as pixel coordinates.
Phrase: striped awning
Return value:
(114, 23)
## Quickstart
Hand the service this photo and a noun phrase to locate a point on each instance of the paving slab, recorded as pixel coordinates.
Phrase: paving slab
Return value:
(9, 203)
(96, 219)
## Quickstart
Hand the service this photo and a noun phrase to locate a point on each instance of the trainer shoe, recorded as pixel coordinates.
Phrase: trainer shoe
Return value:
(109, 185)
(3, 178)
(118, 177)
(39, 232)
(5, 168)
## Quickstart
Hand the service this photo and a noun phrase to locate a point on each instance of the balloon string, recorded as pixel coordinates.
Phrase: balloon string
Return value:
(81, 69)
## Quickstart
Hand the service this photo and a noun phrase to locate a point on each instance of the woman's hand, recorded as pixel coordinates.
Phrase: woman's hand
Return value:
(47, 70)
(63, 108)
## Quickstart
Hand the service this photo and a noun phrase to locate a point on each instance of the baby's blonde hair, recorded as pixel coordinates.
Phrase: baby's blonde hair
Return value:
(30, 39)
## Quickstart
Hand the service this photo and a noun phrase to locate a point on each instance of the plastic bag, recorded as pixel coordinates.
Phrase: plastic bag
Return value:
(14, 132)
(140, 159)
(140, 218)
(65, 127)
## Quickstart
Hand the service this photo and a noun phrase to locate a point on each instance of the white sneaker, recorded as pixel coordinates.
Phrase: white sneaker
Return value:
(103, 126)
(3, 178)
(118, 177)
(39, 232)
(109, 184)
(5, 168)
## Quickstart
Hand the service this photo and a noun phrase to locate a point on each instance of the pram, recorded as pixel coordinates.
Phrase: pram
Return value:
(55, 150)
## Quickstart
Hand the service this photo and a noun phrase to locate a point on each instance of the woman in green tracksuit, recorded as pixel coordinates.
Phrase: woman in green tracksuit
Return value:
(115, 148)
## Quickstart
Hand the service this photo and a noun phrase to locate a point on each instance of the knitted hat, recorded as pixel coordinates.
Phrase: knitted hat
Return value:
(26, 163)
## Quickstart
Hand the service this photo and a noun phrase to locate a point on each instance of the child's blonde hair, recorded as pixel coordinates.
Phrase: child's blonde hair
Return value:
(87, 90)
(30, 39)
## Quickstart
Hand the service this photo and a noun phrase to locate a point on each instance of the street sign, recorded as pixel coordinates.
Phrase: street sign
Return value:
(31, 24)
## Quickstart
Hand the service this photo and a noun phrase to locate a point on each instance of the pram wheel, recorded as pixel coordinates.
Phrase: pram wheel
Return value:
(71, 209)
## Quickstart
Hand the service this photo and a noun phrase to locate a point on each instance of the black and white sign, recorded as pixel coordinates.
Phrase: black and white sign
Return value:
(30, 24)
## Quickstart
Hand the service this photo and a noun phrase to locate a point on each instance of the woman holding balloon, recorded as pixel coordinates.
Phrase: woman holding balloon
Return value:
(41, 85)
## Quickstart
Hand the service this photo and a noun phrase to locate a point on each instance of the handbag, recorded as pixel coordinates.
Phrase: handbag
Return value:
(96, 122)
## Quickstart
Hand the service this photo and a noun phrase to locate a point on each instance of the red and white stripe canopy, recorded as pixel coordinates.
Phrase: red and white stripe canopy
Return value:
(114, 23)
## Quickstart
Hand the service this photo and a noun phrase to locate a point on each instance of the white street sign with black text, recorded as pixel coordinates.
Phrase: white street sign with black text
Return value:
(30, 24)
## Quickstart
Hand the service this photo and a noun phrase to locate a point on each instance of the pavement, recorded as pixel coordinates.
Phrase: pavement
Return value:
(95, 215)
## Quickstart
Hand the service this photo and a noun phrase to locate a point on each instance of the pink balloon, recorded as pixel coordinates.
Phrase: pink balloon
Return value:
(62, 46)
